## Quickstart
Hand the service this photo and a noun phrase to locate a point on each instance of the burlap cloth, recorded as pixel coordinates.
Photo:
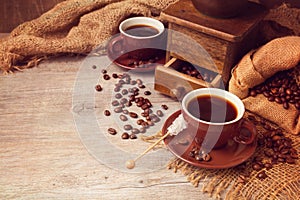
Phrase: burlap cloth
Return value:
(77, 27)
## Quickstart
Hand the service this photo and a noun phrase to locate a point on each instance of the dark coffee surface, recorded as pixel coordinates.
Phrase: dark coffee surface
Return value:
(212, 109)
(141, 30)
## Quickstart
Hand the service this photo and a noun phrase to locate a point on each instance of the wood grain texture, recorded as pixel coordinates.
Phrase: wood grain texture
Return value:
(42, 156)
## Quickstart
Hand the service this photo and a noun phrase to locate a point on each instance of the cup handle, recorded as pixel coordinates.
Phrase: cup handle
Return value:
(247, 133)
(116, 46)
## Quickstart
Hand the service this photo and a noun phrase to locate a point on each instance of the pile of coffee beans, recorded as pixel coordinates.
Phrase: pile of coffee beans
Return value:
(281, 88)
(128, 93)
(199, 155)
(197, 72)
(276, 146)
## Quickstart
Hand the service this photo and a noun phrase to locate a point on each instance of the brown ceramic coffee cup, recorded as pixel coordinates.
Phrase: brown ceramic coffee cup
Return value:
(216, 116)
(140, 38)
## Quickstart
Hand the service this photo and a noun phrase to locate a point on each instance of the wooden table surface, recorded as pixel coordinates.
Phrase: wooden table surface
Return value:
(52, 149)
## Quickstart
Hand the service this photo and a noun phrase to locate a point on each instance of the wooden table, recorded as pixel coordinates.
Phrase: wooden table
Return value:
(43, 154)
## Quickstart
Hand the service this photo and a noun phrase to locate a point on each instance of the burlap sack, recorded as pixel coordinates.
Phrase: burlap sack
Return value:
(258, 65)
(71, 26)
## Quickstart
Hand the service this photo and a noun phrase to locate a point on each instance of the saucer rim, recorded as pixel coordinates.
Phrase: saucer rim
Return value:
(249, 148)
(161, 61)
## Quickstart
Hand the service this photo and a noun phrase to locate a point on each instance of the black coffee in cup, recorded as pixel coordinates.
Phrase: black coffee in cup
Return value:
(212, 108)
(141, 30)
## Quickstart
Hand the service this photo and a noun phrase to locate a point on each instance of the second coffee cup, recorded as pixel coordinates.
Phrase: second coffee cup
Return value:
(140, 38)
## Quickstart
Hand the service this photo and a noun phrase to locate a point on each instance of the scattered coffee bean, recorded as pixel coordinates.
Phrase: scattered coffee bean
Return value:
(103, 71)
(118, 109)
(133, 115)
(112, 131)
(94, 67)
(135, 131)
(165, 107)
(123, 118)
(115, 103)
(262, 175)
(117, 89)
(123, 101)
(106, 77)
(98, 88)
(127, 127)
(107, 113)
(114, 75)
(133, 136)
(125, 136)
(126, 112)
(141, 86)
(139, 81)
(256, 167)
(142, 130)
(124, 92)
(118, 96)
(159, 113)
(147, 93)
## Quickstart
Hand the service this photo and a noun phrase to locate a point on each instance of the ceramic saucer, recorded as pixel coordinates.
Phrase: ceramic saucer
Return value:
(126, 62)
(228, 156)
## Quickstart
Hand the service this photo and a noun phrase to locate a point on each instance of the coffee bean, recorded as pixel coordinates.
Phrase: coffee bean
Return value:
(290, 160)
(125, 136)
(126, 112)
(141, 86)
(114, 75)
(159, 113)
(142, 130)
(117, 89)
(253, 93)
(123, 101)
(127, 127)
(198, 157)
(124, 92)
(106, 77)
(268, 166)
(135, 131)
(133, 115)
(118, 109)
(256, 167)
(262, 175)
(112, 131)
(118, 96)
(123, 118)
(140, 121)
(133, 136)
(164, 106)
(98, 88)
(133, 82)
(107, 113)
(147, 93)
(139, 81)
(115, 103)
(103, 71)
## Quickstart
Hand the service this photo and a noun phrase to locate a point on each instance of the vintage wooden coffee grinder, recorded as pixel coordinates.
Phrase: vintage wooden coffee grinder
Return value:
(226, 29)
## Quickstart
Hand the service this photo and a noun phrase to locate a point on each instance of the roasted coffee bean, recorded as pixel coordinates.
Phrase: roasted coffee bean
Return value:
(114, 75)
(164, 106)
(128, 104)
(139, 81)
(253, 93)
(133, 115)
(144, 106)
(268, 166)
(112, 131)
(133, 82)
(262, 175)
(118, 109)
(98, 88)
(142, 130)
(144, 114)
(140, 121)
(106, 77)
(107, 113)
(133, 136)
(118, 96)
(127, 127)
(206, 157)
(135, 131)
(115, 103)
(123, 101)
(159, 113)
(125, 136)
(126, 112)
(123, 118)
(117, 89)
(124, 92)
(256, 166)
(198, 157)
(141, 86)
(94, 67)
(147, 93)
(290, 160)
(150, 123)
(103, 71)
(139, 103)
(286, 105)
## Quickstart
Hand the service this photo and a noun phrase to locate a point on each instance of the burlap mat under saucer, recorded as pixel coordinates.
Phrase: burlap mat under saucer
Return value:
(242, 182)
